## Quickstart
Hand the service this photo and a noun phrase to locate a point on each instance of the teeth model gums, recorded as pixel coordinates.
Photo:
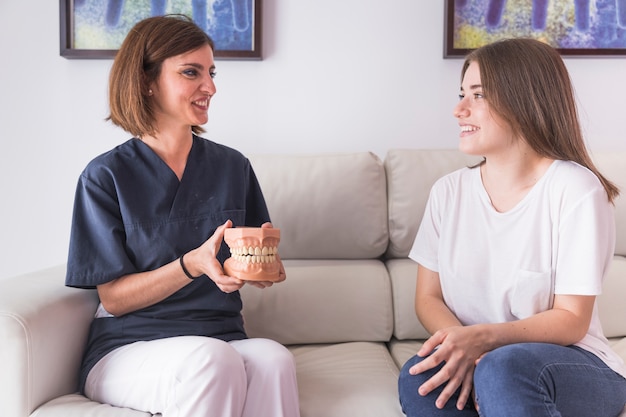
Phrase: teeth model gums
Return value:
(253, 253)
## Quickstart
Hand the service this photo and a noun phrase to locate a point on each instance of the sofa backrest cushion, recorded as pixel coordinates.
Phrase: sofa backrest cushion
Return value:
(611, 165)
(328, 206)
(410, 175)
(403, 274)
(323, 301)
(611, 305)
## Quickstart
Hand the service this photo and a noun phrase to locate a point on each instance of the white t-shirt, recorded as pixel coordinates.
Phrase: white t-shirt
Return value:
(499, 267)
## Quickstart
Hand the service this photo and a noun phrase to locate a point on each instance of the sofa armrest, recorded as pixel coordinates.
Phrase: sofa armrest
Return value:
(43, 329)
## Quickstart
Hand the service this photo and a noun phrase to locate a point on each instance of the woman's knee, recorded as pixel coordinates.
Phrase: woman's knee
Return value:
(508, 370)
(281, 358)
(408, 384)
(405, 376)
(265, 355)
(495, 365)
(275, 352)
(517, 359)
(205, 357)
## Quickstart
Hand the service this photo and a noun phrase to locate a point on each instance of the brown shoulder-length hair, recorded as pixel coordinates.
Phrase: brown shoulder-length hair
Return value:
(138, 64)
(526, 83)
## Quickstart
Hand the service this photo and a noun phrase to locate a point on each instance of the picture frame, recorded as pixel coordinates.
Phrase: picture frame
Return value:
(577, 28)
(95, 29)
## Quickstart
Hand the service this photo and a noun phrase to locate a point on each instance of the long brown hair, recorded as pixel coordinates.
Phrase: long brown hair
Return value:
(138, 64)
(527, 84)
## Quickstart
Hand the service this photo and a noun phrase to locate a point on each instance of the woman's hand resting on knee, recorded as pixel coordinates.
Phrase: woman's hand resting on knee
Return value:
(460, 348)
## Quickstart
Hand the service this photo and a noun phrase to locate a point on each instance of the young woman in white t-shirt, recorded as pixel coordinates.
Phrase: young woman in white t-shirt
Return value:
(512, 254)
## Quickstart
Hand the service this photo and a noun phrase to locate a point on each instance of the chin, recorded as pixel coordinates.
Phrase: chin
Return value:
(468, 149)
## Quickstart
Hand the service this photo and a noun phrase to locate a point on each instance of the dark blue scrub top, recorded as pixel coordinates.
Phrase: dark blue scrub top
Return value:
(132, 214)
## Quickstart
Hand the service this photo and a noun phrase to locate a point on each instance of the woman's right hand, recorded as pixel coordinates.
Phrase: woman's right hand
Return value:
(203, 260)
(459, 348)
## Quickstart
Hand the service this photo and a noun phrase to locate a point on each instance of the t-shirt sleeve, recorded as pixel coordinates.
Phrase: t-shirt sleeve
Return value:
(586, 245)
(96, 253)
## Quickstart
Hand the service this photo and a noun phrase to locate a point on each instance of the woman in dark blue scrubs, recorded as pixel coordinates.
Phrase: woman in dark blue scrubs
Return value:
(147, 232)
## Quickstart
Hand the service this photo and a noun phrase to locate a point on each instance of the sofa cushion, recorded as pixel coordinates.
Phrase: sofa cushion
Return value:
(76, 405)
(618, 344)
(328, 206)
(611, 305)
(322, 301)
(337, 380)
(403, 350)
(410, 175)
(403, 274)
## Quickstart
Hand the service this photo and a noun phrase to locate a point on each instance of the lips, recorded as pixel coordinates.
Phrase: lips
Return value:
(254, 253)
(469, 128)
(204, 104)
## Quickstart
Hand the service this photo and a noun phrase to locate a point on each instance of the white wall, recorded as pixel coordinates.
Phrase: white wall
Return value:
(347, 75)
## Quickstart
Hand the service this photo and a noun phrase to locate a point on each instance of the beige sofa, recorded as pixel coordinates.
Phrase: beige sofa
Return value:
(345, 311)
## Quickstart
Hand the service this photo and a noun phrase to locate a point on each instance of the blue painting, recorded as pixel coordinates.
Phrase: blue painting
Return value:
(591, 25)
(103, 25)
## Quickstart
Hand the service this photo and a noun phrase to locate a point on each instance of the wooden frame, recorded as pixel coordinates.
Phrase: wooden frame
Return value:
(573, 27)
(102, 25)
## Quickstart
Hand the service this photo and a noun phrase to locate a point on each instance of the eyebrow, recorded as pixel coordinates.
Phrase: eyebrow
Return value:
(473, 87)
(196, 65)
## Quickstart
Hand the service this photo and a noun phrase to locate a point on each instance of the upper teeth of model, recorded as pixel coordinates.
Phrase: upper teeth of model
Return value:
(254, 255)
(468, 128)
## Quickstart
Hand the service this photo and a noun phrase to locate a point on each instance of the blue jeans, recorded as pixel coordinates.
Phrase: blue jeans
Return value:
(526, 379)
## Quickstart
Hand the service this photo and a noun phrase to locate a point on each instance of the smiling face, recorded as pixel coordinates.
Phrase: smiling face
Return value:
(184, 88)
(482, 131)
(254, 253)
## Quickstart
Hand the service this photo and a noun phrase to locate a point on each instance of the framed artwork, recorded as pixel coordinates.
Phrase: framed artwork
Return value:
(92, 29)
(573, 27)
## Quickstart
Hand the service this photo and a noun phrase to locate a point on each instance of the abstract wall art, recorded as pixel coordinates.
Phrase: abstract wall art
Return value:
(96, 28)
(574, 27)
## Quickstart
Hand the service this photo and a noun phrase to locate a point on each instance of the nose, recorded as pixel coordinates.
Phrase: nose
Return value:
(209, 85)
(461, 109)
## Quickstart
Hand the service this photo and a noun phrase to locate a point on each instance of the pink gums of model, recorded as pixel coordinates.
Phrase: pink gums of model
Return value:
(253, 253)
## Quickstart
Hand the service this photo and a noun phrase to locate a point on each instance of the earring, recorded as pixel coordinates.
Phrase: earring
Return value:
(150, 92)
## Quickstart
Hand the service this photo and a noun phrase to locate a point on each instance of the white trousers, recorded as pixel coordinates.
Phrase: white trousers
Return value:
(194, 376)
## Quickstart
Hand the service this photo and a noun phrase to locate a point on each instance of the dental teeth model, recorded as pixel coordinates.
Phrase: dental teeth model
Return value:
(253, 253)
